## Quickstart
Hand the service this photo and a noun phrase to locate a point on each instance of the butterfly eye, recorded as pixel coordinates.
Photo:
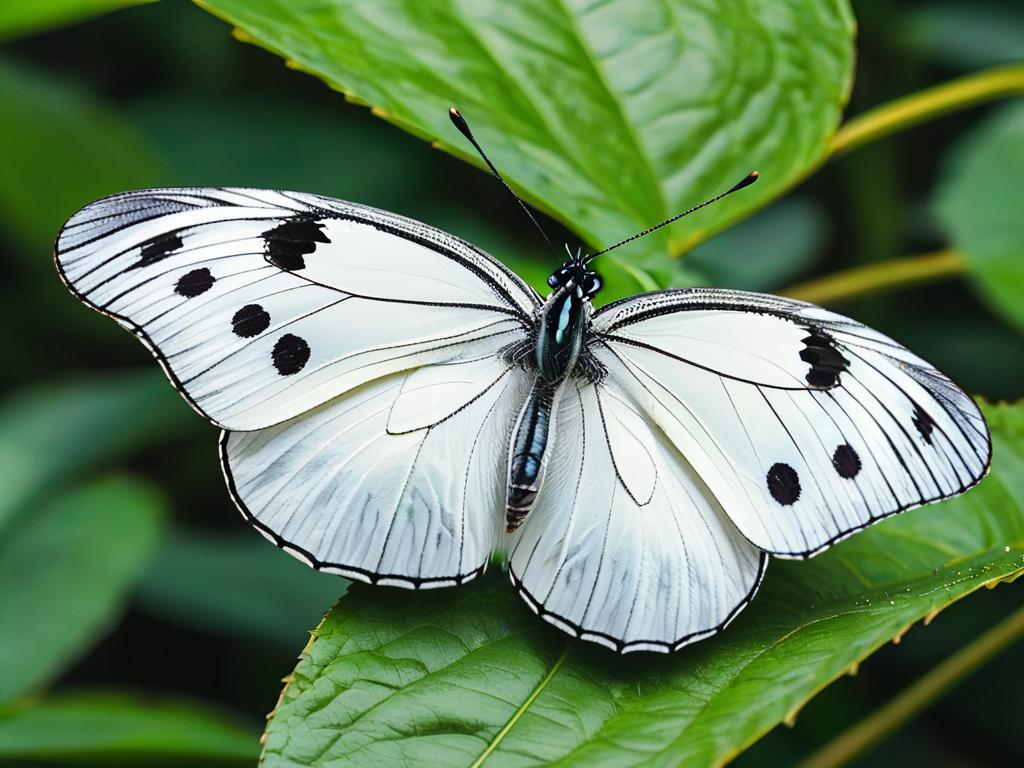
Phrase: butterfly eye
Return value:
(560, 277)
(592, 284)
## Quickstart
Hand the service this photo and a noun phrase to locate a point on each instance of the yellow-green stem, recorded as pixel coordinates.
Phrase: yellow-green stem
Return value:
(875, 278)
(493, 745)
(961, 93)
(918, 696)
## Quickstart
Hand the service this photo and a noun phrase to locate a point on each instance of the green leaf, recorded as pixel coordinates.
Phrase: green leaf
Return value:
(978, 200)
(610, 116)
(121, 728)
(237, 584)
(53, 433)
(18, 19)
(65, 572)
(444, 678)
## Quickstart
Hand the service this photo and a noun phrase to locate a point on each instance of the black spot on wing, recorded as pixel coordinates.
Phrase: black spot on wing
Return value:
(158, 248)
(287, 243)
(924, 423)
(194, 283)
(290, 354)
(826, 362)
(783, 483)
(846, 461)
(251, 320)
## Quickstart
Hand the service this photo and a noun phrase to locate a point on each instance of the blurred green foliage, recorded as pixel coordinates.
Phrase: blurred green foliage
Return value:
(64, 571)
(25, 18)
(978, 199)
(279, 601)
(122, 729)
(104, 582)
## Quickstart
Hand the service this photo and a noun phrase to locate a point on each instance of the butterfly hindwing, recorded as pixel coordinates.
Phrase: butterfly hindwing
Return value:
(262, 305)
(806, 425)
(417, 508)
(626, 546)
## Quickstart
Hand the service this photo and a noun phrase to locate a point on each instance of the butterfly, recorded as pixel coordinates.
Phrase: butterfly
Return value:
(397, 405)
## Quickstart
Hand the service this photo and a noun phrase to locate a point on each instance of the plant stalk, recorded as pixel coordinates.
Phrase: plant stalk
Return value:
(964, 92)
(876, 278)
(919, 695)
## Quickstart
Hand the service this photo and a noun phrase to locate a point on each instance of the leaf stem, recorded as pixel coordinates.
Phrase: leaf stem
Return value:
(875, 278)
(987, 85)
(919, 695)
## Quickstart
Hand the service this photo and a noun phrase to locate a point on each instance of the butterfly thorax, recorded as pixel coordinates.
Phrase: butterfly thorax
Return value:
(561, 331)
(564, 320)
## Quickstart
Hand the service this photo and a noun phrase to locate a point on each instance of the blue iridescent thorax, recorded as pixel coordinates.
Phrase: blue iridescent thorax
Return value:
(564, 318)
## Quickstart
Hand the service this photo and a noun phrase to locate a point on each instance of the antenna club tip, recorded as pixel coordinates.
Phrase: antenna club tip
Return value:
(749, 179)
(460, 122)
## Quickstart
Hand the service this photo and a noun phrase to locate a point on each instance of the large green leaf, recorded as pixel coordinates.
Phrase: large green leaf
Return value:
(610, 116)
(448, 677)
(120, 728)
(18, 18)
(53, 432)
(65, 571)
(979, 201)
(237, 584)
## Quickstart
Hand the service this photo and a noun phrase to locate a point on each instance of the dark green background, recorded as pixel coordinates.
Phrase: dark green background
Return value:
(219, 615)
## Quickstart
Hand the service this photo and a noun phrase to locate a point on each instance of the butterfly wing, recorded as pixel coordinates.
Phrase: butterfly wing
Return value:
(262, 305)
(626, 546)
(804, 424)
(397, 482)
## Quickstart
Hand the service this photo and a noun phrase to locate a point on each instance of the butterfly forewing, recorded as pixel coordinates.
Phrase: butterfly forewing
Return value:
(871, 429)
(262, 305)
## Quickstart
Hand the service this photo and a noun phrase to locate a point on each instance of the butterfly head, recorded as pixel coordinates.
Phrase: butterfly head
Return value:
(574, 275)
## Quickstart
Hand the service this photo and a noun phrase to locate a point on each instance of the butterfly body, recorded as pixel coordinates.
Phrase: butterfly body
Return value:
(396, 405)
(560, 335)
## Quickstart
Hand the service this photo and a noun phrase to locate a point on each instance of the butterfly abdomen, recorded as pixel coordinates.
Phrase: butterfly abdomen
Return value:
(528, 453)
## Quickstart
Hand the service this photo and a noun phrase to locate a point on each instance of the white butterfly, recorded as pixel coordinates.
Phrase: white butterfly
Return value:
(397, 405)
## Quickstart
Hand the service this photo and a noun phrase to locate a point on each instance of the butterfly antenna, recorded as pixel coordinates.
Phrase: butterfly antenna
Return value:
(746, 182)
(463, 126)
